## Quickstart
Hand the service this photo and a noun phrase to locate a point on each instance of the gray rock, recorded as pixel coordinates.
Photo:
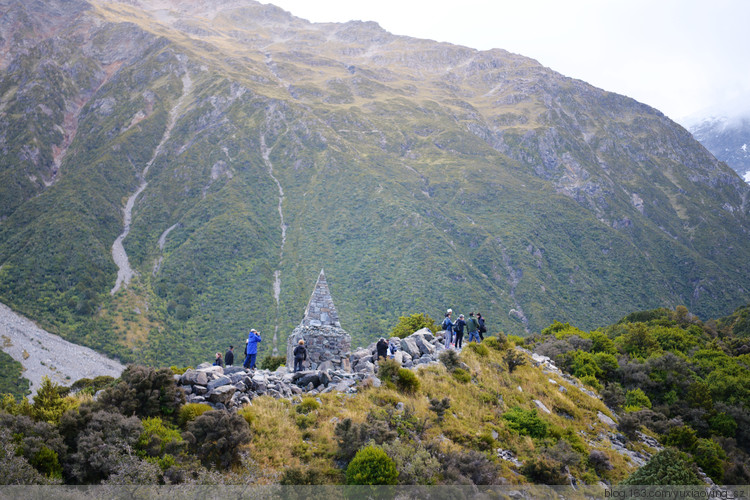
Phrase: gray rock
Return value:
(201, 378)
(222, 394)
(218, 382)
(541, 406)
(325, 366)
(310, 378)
(229, 370)
(606, 420)
(409, 345)
(203, 366)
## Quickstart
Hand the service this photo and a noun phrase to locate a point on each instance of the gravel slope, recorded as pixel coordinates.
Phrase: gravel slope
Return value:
(42, 353)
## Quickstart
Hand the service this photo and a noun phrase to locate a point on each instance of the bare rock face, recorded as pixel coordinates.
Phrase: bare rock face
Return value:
(327, 343)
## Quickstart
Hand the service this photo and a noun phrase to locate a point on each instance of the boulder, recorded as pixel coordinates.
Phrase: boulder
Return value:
(308, 379)
(426, 334)
(222, 394)
(229, 370)
(409, 345)
(218, 382)
(201, 378)
(424, 346)
(326, 366)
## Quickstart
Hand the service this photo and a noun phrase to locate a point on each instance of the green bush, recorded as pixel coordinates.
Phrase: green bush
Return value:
(407, 381)
(669, 467)
(526, 422)
(409, 324)
(544, 470)
(710, 457)
(388, 371)
(307, 405)
(371, 465)
(462, 375)
(145, 392)
(271, 363)
(191, 411)
(497, 343)
(450, 359)
(637, 399)
(514, 359)
(479, 349)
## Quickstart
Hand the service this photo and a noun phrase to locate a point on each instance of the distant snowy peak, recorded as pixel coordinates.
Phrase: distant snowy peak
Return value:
(728, 139)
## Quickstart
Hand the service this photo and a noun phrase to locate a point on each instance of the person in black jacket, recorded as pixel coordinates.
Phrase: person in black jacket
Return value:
(300, 355)
(482, 327)
(458, 330)
(229, 356)
(218, 361)
(382, 349)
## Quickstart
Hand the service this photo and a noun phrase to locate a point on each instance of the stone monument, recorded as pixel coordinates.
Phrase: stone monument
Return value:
(328, 345)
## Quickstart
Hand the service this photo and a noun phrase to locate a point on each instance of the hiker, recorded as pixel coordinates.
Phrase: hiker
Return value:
(251, 349)
(229, 356)
(382, 348)
(218, 361)
(392, 348)
(482, 328)
(472, 326)
(448, 327)
(300, 355)
(458, 329)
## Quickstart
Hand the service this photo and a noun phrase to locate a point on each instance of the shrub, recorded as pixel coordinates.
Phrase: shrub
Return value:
(50, 402)
(462, 375)
(544, 470)
(307, 405)
(479, 349)
(683, 437)
(407, 381)
(599, 461)
(271, 363)
(191, 411)
(440, 407)
(409, 324)
(39, 442)
(723, 425)
(371, 465)
(145, 392)
(710, 457)
(450, 359)
(414, 463)
(388, 371)
(637, 399)
(514, 359)
(470, 467)
(216, 437)
(498, 343)
(669, 467)
(526, 422)
(295, 476)
(591, 381)
(157, 439)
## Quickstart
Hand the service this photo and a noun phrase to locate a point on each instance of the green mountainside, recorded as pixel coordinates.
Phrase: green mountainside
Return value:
(420, 175)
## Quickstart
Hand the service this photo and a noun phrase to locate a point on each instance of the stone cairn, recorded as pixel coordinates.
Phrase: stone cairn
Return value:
(328, 345)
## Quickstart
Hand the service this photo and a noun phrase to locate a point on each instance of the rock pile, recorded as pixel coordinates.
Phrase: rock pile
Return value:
(234, 386)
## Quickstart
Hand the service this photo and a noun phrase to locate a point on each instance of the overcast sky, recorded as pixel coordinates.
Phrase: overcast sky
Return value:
(683, 57)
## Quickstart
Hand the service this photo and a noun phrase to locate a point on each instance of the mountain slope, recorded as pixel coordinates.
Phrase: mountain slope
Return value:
(420, 175)
(728, 140)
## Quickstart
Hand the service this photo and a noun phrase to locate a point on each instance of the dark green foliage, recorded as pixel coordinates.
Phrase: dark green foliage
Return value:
(462, 375)
(667, 468)
(599, 461)
(16, 469)
(406, 381)
(710, 458)
(49, 402)
(440, 406)
(371, 465)
(497, 342)
(145, 392)
(39, 443)
(450, 359)
(272, 362)
(101, 441)
(296, 476)
(480, 349)
(526, 422)
(92, 386)
(216, 437)
(465, 467)
(11, 381)
(409, 324)
(514, 359)
(544, 470)
(307, 405)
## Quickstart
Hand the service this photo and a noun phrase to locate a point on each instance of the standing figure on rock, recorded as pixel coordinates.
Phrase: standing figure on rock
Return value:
(458, 328)
(300, 355)
(382, 349)
(482, 327)
(448, 327)
(251, 349)
(229, 356)
(218, 361)
(472, 326)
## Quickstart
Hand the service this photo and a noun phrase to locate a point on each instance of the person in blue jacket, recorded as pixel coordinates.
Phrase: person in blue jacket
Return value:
(251, 349)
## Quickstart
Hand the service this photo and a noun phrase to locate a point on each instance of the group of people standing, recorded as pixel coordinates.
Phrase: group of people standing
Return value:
(251, 352)
(454, 331)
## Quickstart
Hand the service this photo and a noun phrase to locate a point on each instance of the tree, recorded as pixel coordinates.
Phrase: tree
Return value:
(145, 392)
(371, 465)
(409, 324)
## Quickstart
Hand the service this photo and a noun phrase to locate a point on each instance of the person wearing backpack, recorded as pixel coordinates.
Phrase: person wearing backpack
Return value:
(472, 326)
(482, 329)
(448, 327)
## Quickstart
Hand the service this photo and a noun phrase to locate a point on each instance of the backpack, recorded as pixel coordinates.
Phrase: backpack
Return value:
(446, 323)
(482, 328)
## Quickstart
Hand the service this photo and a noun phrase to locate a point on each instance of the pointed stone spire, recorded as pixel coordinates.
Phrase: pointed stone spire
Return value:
(320, 310)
